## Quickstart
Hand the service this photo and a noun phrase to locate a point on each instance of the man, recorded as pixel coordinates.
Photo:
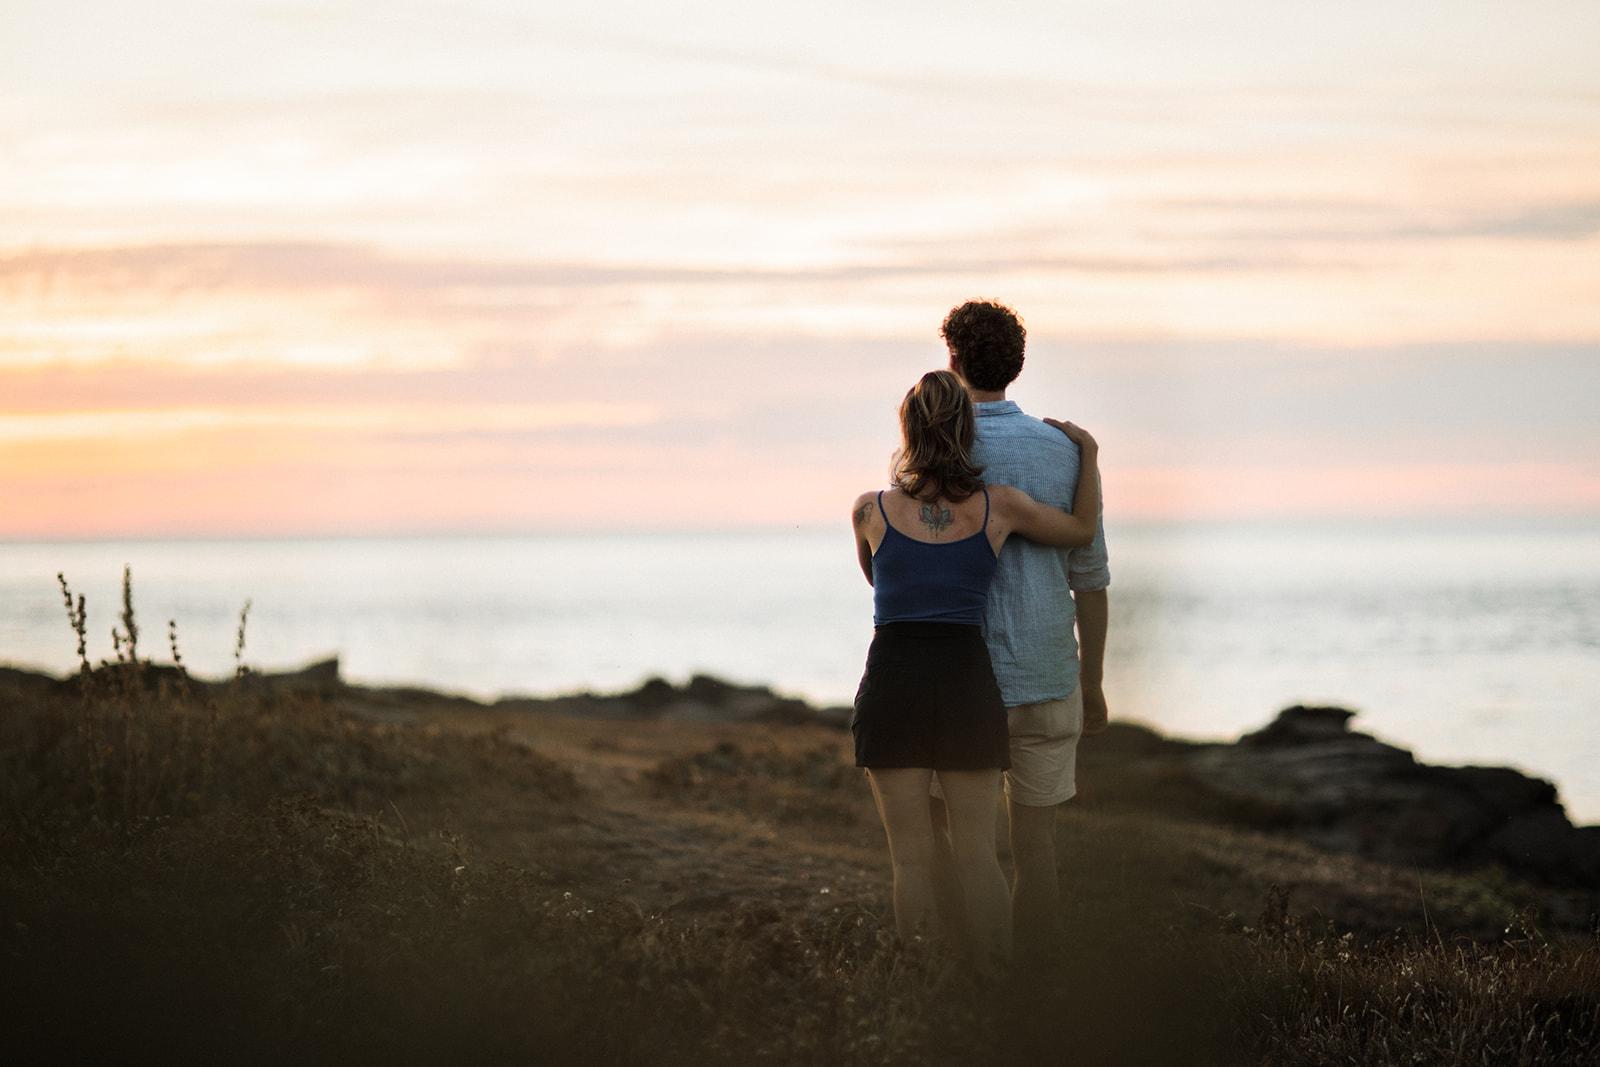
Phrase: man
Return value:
(1037, 594)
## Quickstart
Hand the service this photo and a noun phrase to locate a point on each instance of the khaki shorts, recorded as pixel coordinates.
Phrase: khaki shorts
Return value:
(1044, 751)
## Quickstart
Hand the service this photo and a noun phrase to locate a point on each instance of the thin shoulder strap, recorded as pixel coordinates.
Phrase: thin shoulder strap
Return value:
(986, 507)
(885, 514)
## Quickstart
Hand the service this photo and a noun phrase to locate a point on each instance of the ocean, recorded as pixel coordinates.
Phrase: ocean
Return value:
(1466, 642)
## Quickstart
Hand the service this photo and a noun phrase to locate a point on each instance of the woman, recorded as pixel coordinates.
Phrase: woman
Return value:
(928, 702)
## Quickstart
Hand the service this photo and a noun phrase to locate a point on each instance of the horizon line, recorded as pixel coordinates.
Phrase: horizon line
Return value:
(1579, 520)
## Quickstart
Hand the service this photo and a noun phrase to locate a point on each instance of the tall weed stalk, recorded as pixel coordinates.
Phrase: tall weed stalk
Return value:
(146, 734)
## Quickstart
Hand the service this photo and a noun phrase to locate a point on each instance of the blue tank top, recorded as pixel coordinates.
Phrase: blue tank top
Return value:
(922, 581)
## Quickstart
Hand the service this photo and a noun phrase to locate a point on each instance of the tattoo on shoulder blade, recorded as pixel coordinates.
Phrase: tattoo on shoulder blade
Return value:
(936, 518)
(863, 512)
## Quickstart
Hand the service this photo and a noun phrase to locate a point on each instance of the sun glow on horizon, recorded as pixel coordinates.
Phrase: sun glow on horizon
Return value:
(333, 268)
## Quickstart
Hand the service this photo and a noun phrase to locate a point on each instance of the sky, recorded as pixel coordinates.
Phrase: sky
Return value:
(370, 268)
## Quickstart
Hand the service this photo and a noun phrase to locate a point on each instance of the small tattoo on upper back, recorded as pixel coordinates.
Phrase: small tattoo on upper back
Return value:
(862, 513)
(936, 518)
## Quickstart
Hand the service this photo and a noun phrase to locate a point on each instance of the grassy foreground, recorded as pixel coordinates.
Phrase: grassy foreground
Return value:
(193, 873)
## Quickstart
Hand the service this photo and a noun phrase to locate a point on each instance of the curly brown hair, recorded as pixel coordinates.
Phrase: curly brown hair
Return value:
(986, 341)
(937, 427)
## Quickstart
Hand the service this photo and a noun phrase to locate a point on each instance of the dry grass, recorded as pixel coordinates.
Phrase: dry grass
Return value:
(1329, 1001)
(764, 780)
(199, 873)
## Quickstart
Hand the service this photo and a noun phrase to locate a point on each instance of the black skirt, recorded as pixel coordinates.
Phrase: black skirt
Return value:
(928, 698)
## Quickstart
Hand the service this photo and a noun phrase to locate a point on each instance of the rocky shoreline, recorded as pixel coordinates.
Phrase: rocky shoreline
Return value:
(1305, 774)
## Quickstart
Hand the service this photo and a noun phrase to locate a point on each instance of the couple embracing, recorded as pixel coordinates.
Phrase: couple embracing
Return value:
(983, 552)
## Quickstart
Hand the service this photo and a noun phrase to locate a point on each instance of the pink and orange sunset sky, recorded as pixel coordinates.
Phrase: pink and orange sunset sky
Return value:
(357, 267)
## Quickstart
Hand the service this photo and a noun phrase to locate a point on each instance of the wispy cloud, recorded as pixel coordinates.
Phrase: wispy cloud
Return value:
(1560, 222)
(313, 265)
(429, 420)
(1273, 221)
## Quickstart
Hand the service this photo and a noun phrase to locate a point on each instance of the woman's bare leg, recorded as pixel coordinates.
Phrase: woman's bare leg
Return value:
(902, 796)
(972, 800)
(946, 881)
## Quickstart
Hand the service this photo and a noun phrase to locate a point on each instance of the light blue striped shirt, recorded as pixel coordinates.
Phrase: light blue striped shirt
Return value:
(1028, 619)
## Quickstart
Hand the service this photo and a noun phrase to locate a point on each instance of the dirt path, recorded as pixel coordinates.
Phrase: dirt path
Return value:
(684, 851)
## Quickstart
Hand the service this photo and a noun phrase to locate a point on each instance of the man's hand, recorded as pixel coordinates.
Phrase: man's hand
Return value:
(1095, 714)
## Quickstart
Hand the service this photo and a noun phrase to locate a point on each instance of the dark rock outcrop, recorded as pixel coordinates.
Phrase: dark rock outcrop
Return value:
(1307, 774)
(708, 699)
(19, 686)
(321, 678)
(702, 699)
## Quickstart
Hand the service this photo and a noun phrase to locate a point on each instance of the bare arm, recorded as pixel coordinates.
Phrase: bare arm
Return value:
(1093, 611)
(1052, 526)
(860, 519)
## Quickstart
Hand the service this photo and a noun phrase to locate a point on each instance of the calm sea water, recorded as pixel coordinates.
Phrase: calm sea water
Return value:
(1464, 643)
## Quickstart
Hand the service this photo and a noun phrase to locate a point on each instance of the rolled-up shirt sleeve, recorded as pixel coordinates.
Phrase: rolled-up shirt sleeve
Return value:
(1088, 568)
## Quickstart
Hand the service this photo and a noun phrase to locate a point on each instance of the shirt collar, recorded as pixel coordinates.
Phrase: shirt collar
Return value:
(996, 407)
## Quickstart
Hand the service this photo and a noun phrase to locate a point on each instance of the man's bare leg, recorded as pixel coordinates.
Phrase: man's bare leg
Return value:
(1036, 889)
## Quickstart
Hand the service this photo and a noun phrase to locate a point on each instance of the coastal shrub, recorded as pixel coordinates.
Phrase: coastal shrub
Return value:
(128, 741)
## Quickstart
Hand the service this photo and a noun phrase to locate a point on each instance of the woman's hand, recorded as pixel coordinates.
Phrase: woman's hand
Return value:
(1078, 435)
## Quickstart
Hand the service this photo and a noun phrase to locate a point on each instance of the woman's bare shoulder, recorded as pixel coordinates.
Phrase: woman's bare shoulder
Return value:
(864, 508)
